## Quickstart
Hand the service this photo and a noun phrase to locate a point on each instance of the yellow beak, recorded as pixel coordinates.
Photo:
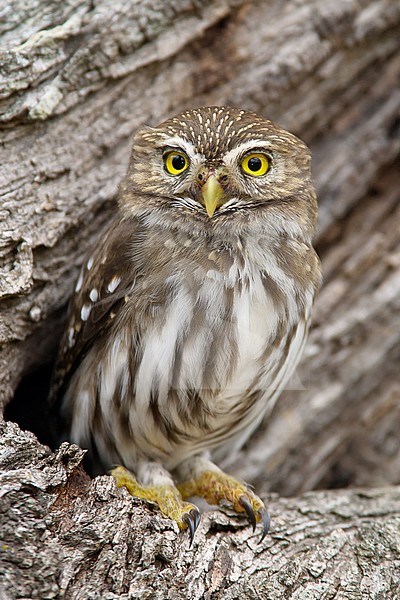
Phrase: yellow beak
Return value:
(212, 194)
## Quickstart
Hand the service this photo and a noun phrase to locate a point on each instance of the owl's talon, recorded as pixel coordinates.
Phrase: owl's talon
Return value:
(197, 518)
(192, 520)
(265, 520)
(262, 515)
(244, 502)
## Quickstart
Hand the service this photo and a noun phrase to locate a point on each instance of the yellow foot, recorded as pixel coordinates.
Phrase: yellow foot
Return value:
(167, 497)
(216, 486)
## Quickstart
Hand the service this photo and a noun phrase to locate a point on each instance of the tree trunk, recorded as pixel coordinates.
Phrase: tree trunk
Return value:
(76, 79)
(81, 539)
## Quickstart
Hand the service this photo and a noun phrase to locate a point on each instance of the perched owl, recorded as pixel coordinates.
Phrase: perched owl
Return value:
(192, 311)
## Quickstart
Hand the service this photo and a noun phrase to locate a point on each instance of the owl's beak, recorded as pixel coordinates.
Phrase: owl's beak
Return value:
(212, 193)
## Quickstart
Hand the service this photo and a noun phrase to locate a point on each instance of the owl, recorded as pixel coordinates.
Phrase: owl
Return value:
(191, 313)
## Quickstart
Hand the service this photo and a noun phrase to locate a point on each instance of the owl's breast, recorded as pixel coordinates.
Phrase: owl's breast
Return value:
(216, 345)
(202, 370)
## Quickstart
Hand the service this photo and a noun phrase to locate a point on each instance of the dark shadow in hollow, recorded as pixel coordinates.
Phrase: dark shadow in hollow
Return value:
(29, 407)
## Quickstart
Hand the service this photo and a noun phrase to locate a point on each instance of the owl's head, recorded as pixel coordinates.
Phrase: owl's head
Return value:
(217, 163)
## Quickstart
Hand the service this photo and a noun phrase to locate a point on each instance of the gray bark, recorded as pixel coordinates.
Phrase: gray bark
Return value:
(65, 536)
(76, 79)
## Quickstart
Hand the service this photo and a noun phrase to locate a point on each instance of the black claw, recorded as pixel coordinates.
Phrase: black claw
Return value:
(249, 510)
(197, 518)
(192, 519)
(265, 519)
(190, 523)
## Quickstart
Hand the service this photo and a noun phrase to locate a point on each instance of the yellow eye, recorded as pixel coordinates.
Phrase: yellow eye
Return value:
(255, 164)
(176, 162)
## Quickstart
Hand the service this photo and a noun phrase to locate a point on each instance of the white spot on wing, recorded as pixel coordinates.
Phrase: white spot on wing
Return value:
(85, 312)
(113, 284)
(79, 282)
(94, 295)
(89, 264)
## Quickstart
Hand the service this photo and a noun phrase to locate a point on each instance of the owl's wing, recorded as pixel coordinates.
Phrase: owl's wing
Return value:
(105, 279)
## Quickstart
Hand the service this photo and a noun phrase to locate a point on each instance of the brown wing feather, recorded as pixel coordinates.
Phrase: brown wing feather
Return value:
(105, 279)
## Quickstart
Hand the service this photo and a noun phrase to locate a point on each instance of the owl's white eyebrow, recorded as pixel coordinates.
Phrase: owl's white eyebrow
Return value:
(230, 156)
(178, 142)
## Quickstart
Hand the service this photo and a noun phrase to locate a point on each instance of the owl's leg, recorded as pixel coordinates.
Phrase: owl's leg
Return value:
(156, 485)
(201, 477)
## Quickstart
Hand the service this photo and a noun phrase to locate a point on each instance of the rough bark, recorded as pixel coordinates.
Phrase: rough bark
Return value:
(76, 79)
(65, 536)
